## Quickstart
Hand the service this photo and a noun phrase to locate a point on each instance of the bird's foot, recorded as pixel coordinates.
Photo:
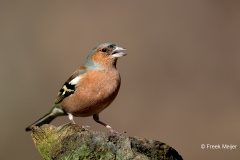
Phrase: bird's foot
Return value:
(73, 122)
(85, 128)
(114, 131)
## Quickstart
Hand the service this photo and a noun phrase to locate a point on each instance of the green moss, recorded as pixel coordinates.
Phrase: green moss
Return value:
(70, 142)
(49, 144)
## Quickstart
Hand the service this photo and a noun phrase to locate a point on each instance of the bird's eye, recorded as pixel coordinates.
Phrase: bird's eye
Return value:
(104, 50)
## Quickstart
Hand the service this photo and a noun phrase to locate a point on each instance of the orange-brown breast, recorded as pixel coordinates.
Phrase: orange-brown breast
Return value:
(96, 91)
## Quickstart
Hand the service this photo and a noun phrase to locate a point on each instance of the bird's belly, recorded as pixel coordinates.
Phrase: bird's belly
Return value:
(88, 106)
(91, 100)
(89, 110)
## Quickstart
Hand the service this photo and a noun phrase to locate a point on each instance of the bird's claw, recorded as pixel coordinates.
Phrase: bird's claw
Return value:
(115, 132)
(85, 128)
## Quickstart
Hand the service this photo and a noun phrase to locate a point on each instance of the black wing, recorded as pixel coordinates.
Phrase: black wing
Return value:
(68, 88)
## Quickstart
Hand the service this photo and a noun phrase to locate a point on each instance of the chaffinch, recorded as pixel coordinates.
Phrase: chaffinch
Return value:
(90, 89)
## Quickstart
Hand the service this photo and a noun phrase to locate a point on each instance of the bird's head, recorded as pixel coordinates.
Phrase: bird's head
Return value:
(104, 55)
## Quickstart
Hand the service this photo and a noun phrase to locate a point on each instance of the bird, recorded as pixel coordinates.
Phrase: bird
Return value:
(90, 89)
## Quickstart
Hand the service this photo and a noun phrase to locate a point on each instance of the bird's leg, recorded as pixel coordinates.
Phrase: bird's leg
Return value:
(70, 116)
(96, 118)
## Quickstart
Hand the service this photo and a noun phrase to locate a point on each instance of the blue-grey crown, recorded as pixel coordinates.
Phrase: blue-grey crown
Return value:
(91, 64)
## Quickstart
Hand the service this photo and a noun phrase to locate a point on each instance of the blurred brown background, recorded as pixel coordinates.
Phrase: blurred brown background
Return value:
(180, 80)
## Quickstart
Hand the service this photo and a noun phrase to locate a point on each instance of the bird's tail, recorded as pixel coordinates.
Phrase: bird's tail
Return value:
(44, 120)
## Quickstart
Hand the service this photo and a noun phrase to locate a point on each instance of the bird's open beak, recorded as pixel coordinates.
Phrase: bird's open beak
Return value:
(117, 52)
